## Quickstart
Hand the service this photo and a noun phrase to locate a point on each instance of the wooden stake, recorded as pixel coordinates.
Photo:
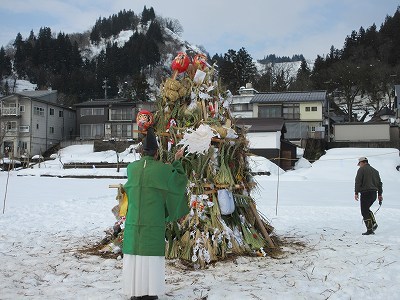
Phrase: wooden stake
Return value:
(261, 225)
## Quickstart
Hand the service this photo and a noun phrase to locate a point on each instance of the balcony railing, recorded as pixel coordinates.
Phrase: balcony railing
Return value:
(9, 111)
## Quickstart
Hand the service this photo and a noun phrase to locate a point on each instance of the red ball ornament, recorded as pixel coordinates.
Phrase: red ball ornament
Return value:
(180, 63)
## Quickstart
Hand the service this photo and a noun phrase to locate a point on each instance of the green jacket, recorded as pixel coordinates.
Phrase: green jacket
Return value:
(368, 179)
(156, 194)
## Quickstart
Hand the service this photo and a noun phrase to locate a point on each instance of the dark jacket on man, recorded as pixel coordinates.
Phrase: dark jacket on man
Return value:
(368, 179)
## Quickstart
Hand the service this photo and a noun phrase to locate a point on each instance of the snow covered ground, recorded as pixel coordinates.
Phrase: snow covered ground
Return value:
(46, 219)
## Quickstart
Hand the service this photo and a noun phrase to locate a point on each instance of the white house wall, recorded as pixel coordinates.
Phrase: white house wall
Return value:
(362, 132)
(311, 115)
(25, 120)
(38, 137)
(264, 140)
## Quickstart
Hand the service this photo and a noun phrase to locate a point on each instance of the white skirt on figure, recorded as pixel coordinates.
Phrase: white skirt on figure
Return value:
(143, 275)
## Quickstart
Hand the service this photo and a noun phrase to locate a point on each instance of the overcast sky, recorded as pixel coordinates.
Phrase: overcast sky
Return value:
(262, 27)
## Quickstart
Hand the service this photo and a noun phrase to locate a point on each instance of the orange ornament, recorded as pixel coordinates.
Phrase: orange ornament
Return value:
(200, 61)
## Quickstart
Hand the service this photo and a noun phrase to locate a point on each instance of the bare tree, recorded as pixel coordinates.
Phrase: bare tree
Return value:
(173, 25)
(348, 79)
(378, 84)
(279, 75)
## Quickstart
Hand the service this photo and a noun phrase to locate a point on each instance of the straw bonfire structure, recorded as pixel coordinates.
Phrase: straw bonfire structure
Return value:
(192, 112)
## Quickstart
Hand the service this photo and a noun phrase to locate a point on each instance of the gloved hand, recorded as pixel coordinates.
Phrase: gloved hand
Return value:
(380, 198)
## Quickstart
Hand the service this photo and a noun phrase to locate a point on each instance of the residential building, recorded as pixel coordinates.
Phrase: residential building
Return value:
(32, 122)
(240, 104)
(305, 113)
(266, 138)
(109, 118)
(381, 130)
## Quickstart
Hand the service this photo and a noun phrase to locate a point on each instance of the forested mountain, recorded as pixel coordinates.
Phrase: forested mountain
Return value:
(129, 55)
(80, 66)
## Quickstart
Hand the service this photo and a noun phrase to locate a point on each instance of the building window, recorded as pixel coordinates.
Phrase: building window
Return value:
(314, 108)
(51, 112)
(24, 128)
(121, 130)
(121, 114)
(308, 108)
(23, 146)
(38, 111)
(12, 126)
(242, 107)
(270, 111)
(312, 128)
(92, 112)
(51, 130)
(291, 111)
(9, 109)
(91, 131)
(86, 112)
(37, 126)
(61, 113)
(22, 108)
(98, 111)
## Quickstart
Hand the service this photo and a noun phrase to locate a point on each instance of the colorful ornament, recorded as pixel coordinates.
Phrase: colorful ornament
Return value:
(200, 61)
(171, 123)
(211, 108)
(144, 119)
(180, 63)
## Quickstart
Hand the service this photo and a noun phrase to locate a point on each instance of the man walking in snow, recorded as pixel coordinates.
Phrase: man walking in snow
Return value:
(156, 194)
(368, 183)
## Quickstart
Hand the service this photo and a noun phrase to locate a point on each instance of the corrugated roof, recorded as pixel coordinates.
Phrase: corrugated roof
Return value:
(289, 97)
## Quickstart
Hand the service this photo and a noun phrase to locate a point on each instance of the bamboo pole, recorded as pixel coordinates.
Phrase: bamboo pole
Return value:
(217, 140)
(261, 224)
(114, 186)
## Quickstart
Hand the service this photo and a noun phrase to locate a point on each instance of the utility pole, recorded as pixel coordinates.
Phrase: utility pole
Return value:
(105, 87)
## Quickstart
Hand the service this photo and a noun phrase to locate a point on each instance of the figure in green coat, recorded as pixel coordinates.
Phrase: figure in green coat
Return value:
(156, 194)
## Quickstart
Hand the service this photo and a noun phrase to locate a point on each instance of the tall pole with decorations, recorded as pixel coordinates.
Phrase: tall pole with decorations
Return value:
(193, 112)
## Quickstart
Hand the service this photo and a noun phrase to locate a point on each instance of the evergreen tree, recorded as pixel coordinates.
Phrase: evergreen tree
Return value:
(320, 76)
(303, 81)
(5, 64)
(140, 88)
(264, 82)
(95, 34)
(154, 32)
(19, 57)
(246, 67)
(6, 89)
(147, 15)
(228, 71)
(390, 39)
(237, 69)
(280, 84)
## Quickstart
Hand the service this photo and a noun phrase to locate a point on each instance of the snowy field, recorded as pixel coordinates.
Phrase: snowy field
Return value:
(47, 219)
